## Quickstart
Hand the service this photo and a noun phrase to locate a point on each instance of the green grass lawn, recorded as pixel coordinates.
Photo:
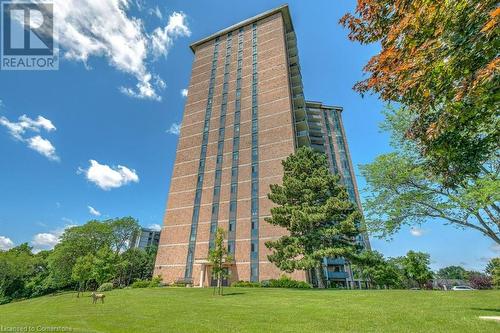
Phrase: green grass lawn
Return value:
(261, 310)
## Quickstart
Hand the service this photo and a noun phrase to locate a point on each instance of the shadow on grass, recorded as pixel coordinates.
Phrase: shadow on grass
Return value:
(233, 294)
(487, 309)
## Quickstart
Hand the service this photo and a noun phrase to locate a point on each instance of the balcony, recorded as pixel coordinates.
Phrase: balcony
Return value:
(337, 275)
(335, 261)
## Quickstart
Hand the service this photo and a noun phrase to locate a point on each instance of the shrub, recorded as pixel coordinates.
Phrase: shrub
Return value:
(141, 284)
(285, 282)
(156, 281)
(480, 282)
(246, 284)
(105, 287)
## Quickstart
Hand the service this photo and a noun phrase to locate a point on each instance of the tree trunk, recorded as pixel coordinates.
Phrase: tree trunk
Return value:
(319, 277)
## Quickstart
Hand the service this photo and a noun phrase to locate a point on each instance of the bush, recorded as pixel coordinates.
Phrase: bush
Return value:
(141, 284)
(245, 284)
(105, 287)
(155, 282)
(285, 282)
(480, 282)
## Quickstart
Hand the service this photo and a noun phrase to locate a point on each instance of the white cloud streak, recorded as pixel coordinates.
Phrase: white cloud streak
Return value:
(184, 92)
(417, 232)
(174, 129)
(106, 177)
(94, 211)
(162, 39)
(19, 129)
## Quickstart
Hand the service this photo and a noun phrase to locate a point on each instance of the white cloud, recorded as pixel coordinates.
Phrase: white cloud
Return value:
(174, 129)
(94, 211)
(6, 243)
(162, 39)
(155, 227)
(18, 130)
(43, 146)
(107, 177)
(495, 248)
(156, 12)
(184, 92)
(105, 28)
(47, 240)
(417, 232)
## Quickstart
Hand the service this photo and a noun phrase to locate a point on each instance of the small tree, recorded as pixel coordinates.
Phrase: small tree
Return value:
(416, 267)
(218, 256)
(373, 267)
(316, 211)
(82, 272)
(493, 270)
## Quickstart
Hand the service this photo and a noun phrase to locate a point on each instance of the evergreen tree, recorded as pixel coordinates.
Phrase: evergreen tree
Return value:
(316, 211)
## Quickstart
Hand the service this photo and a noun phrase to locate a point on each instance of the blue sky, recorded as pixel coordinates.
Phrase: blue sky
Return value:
(106, 141)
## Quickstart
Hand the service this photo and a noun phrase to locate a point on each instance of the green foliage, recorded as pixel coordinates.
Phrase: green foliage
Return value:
(141, 284)
(245, 284)
(154, 282)
(493, 269)
(285, 282)
(401, 191)
(316, 211)
(87, 256)
(381, 273)
(22, 273)
(439, 61)
(90, 238)
(218, 256)
(452, 273)
(105, 287)
(415, 267)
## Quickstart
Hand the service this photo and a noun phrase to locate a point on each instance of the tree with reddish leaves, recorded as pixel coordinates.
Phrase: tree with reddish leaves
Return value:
(439, 60)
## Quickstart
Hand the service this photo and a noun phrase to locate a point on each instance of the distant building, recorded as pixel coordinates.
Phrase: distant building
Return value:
(147, 237)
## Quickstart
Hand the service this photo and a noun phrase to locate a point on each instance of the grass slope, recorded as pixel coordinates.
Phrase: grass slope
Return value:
(261, 310)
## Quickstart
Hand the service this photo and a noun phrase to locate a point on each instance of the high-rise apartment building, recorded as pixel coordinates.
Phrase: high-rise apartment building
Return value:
(245, 113)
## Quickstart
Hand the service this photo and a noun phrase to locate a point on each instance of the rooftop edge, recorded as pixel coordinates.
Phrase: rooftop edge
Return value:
(285, 11)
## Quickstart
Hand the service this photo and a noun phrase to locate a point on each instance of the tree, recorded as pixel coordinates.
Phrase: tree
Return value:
(416, 267)
(82, 271)
(316, 211)
(123, 230)
(106, 266)
(439, 60)
(86, 239)
(218, 256)
(480, 281)
(373, 267)
(493, 270)
(16, 267)
(452, 273)
(402, 191)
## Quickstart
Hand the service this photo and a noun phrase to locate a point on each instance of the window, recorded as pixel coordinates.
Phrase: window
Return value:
(234, 188)
(235, 156)
(232, 206)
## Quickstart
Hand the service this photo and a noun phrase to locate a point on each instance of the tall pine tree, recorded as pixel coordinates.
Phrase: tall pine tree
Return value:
(316, 211)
